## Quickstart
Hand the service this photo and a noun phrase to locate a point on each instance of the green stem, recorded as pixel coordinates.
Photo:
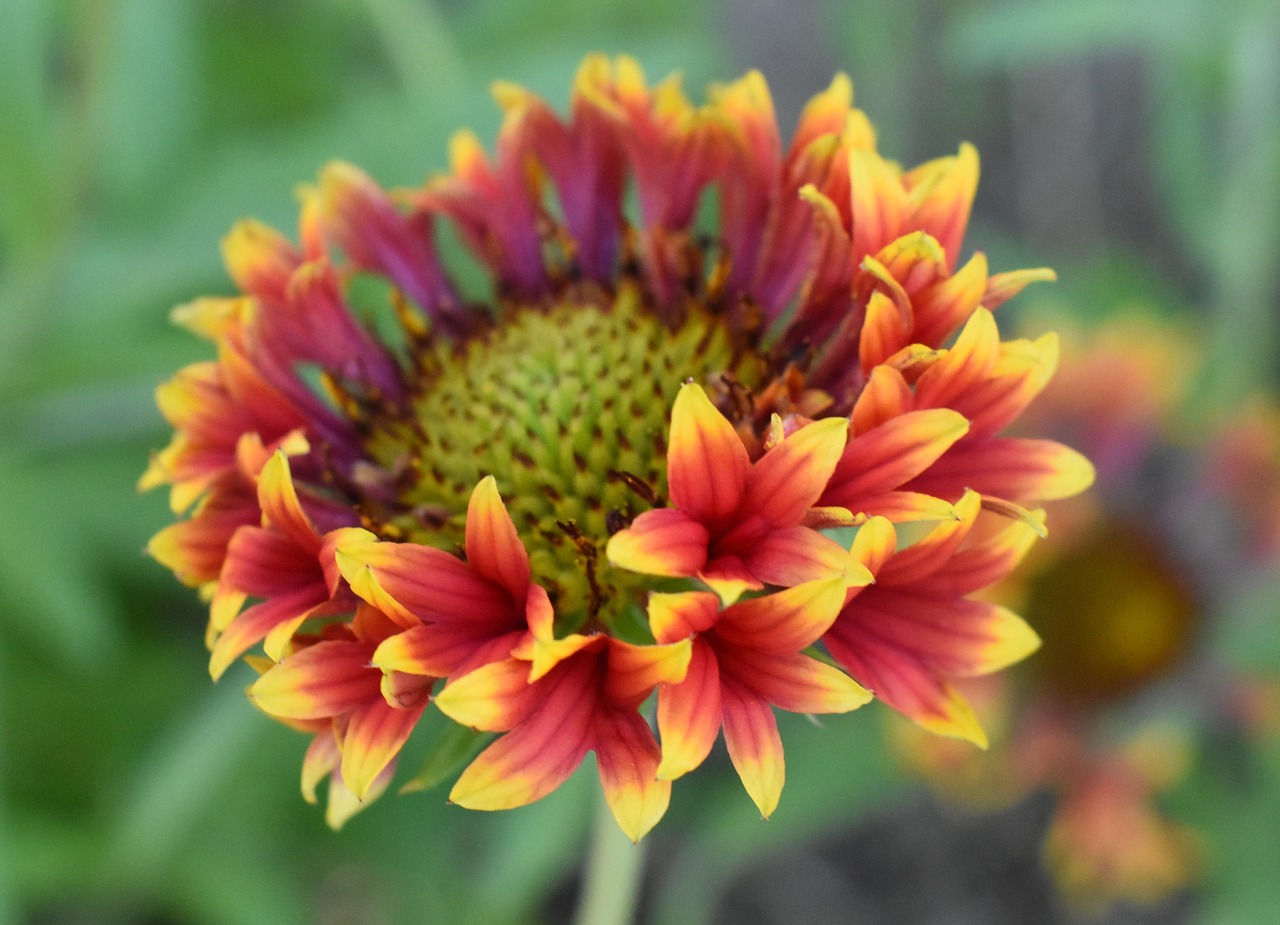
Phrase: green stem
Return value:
(611, 881)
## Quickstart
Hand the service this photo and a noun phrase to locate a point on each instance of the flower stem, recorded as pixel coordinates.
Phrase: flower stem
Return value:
(611, 881)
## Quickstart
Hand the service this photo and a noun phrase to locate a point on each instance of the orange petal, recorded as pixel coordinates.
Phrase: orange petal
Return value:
(875, 544)
(681, 615)
(1013, 468)
(898, 450)
(755, 748)
(885, 396)
(280, 505)
(932, 551)
(793, 681)
(374, 737)
(789, 478)
(540, 645)
(884, 330)
(264, 563)
(1004, 286)
(344, 804)
(946, 305)
(493, 698)
(259, 259)
(786, 621)
(791, 556)
(493, 546)
(979, 565)
(729, 577)
(627, 758)
(901, 507)
(536, 757)
(879, 202)
(323, 680)
(919, 694)
(964, 367)
(664, 541)
(321, 759)
(442, 650)
(632, 672)
(941, 195)
(944, 636)
(252, 626)
(412, 583)
(689, 714)
(824, 114)
(707, 463)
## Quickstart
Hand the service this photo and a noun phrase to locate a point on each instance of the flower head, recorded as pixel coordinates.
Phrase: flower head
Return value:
(613, 475)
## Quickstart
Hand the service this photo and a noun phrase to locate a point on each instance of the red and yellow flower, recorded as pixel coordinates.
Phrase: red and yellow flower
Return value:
(678, 413)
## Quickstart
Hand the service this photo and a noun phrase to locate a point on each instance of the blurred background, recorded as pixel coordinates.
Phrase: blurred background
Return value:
(1134, 146)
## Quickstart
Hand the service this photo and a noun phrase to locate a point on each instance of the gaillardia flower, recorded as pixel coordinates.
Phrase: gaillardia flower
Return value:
(629, 468)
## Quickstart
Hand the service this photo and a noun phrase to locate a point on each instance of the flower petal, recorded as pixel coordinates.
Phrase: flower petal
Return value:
(681, 615)
(941, 194)
(443, 650)
(886, 456)
(263, 563)
(878, 200)
(537, 756)
(885, 396)
(919, 694)
(326, 679)
(786, 621)
(689, 714)
(793, 681)
(281, 507)
(794, 555)
(664, 541)
(1019, 469)
(540, 645)
(932, 551)
(627, 758)
(493, 698)
(632, 672)
(789, 479)
(412, 583)
(978, 565)
(374, 736)
(252, 625)
(755, 748)
(321, 759)
(493, 546)
(958, 638)
(707, 463)
(901, 507)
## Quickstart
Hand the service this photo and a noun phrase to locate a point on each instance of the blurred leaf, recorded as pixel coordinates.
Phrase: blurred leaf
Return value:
(1028, 33)
(46, 592)
(420, 43)
(451, 748)
(1239, 824)
(526, 850)
(34, 160)
(179, 783)
(146, 53)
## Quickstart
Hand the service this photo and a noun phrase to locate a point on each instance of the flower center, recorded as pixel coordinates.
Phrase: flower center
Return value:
(1114, 614)
(567, 407)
